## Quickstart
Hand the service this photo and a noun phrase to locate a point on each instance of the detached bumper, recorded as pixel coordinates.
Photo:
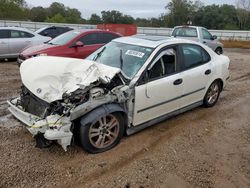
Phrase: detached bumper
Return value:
(54, 127)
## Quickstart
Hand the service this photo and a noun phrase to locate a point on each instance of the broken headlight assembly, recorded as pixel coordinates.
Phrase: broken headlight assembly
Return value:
(75, 98)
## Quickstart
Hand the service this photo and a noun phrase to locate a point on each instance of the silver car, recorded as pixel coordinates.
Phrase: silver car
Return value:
(198, 34)
(14, 39)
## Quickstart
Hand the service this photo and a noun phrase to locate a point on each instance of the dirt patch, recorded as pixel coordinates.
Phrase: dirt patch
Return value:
(236, 44)
(205, 147)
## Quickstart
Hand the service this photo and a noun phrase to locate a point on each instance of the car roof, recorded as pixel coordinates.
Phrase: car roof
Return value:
(149, 40)
(16, 28)
(81, 31)
(187, 26)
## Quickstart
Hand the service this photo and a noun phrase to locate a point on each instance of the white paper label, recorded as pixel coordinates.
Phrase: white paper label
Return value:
(135, 53)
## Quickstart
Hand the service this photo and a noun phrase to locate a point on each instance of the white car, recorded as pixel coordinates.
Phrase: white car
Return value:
(14, 39)
(127, 85)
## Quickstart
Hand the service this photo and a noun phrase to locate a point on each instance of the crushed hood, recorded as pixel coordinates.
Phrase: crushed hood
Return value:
(50, 77)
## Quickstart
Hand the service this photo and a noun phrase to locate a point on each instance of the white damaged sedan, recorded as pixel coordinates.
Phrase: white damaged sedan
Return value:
(127, 85)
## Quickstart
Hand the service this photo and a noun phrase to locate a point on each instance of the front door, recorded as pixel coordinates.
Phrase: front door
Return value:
(208, 39)
(159, 93)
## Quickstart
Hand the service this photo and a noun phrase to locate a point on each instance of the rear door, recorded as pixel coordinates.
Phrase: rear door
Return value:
(196, 73)
(158, 94)
(4, 43)
(18, 41)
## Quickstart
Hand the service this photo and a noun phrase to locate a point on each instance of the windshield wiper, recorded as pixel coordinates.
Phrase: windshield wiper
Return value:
(121, 59)
(99, 54)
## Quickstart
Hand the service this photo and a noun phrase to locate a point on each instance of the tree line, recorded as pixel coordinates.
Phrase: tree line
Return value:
(178, 12)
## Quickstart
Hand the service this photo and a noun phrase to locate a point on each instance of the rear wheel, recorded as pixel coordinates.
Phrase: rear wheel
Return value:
(212, 94)
(102, 134)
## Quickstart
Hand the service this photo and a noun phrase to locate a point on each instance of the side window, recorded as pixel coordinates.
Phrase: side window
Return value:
(165, 65)
(15, 34)
(26, 34)
(107, 37)
(194, 56)
(20, 34)
(90, 39)
(206, 34)
(4, 34)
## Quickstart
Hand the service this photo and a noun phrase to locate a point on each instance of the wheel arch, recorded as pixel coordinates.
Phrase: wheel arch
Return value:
(104, 110)
(220, 81)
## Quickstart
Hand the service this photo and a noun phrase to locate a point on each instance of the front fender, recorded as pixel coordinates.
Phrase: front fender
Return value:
(101, 111)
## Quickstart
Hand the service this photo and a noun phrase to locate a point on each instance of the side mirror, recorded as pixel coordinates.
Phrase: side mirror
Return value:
(78, 44)
(214, 37)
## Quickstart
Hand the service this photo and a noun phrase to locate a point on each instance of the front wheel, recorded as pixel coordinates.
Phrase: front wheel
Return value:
(212, 94)
(219, 51)
(103, 133)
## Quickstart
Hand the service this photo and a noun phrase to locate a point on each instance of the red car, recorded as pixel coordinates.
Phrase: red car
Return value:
(75, 44)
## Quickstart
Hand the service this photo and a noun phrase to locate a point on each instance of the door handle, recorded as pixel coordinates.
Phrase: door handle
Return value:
(27, 41)
(207, 72)
(178, 81)
(204, 42)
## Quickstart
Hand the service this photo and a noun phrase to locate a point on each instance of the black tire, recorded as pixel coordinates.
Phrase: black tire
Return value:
(219, 51)
(89, 143)
(212, 94)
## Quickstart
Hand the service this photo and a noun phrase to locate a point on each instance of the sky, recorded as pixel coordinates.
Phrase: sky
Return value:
(135, 8)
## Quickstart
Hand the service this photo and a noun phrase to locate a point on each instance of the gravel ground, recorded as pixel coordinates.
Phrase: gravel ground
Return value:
(205, 147)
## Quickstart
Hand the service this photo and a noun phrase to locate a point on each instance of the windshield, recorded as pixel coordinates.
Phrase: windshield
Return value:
(64, 38)
(129, 58)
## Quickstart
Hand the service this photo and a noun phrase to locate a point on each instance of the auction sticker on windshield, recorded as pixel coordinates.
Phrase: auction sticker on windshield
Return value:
(135, 53)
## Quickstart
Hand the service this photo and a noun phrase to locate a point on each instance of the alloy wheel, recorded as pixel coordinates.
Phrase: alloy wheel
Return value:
(104, 132)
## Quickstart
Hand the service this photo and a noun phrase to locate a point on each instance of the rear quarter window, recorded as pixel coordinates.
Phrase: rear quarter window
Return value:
(26, 34)
(20, 34)
(185, 32)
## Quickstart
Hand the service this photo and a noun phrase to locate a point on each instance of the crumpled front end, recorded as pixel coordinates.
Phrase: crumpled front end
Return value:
(52, 127)
(61, 90)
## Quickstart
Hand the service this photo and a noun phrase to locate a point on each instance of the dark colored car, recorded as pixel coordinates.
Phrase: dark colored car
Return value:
(75, 44)
(53, 31)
